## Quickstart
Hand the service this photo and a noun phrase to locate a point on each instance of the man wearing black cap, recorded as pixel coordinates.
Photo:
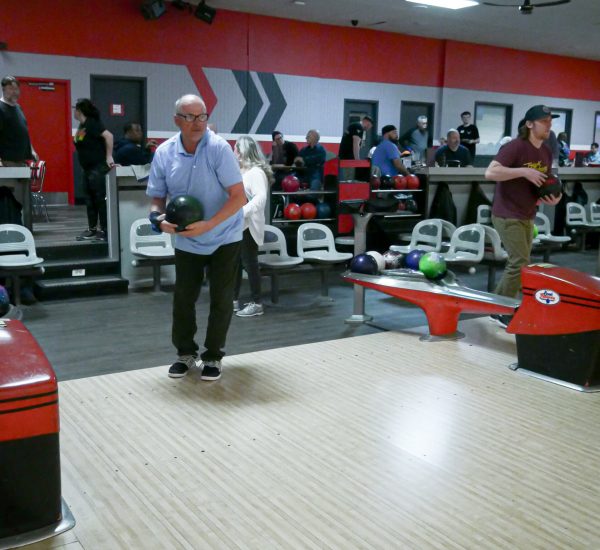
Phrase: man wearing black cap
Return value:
(352, 138)
(520, 170)
(283, 154)
(386, 156)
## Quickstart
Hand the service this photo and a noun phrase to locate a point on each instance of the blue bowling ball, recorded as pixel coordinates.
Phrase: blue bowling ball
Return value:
(363, 263)
(4, 301)
(323, 210)
(412, 259)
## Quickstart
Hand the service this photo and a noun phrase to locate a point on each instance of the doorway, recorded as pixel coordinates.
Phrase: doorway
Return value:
(411, 110)
(47, 107)
(120, 100)
(354, 111)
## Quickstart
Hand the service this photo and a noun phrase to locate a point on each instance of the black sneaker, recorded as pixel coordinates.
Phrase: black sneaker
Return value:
(87, 235)
(26, 296)
(181, 367)
(502, 320)
(211, 370)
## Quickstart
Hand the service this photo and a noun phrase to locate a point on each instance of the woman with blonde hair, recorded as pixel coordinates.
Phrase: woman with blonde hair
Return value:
(257, 176)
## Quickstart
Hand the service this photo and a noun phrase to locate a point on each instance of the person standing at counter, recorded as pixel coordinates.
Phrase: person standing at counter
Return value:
(15, 144)
(519, 169)
(94, 144)
(453, 153)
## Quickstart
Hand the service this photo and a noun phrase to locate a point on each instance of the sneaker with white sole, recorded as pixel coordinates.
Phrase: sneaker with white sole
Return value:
(181, 367)
(501, 320)
(211, 370)
(236, 306)
(251, 310)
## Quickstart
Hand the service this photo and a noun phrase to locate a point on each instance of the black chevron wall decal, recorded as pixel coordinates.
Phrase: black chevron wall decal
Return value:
(253, 103)
(277, 103)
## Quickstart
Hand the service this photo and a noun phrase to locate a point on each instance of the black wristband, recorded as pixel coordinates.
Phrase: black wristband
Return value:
(153, 217)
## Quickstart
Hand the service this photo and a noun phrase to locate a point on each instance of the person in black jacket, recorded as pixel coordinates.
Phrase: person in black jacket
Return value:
(130, 150)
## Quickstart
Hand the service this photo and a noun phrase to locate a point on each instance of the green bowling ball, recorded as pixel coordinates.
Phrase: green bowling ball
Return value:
(432, 265)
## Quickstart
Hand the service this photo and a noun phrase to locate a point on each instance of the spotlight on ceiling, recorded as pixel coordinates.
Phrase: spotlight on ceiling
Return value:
(153, 9)
(206, 13)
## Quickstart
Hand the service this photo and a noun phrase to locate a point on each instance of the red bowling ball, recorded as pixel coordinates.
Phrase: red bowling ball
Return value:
(290, 184)
(308, 211)
(400, 182)
(375, 182)
(292, 212)
(412, 182)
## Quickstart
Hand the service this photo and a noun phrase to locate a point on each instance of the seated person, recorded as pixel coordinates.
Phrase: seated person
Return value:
(283, 154)
(314, 156)
(386, 156)
(453, 153)
(128, 150)
(563, 150)
(593, 157)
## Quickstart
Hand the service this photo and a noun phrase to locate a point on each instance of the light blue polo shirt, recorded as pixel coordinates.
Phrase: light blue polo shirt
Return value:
(206, 175)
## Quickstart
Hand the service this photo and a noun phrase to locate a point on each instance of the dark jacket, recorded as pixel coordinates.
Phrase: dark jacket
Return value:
(126, 153)
(443, 205)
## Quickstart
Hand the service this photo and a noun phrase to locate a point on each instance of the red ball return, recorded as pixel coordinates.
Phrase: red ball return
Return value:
(31, 506)
(557, 324)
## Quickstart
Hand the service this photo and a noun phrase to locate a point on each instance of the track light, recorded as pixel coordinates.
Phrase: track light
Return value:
(204, 12)
(153, 9)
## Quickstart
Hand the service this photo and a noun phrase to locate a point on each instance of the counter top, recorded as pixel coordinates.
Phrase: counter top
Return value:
(9, 172)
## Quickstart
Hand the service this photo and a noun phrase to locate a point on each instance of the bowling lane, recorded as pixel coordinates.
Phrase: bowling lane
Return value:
(377, 441)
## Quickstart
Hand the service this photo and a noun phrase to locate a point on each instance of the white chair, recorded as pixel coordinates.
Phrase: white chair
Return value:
(150, 248)
(38, 201)
(494, 254)
(274, 259)
(545, 241)
(18, 256)
(426, 235)
(448, 229)
(484, 214)
(595, 212)
(467, 245)
(578, 223)
(315, 244)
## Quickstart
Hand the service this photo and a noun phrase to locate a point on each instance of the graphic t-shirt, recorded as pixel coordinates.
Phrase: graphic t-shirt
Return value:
(517, 198)
(346, 145)
(468, 132)
(90, 145)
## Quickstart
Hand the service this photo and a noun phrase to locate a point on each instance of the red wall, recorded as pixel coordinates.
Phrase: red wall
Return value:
(116, 30)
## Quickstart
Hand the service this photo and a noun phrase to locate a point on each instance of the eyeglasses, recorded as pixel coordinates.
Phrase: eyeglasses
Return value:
(203, 117)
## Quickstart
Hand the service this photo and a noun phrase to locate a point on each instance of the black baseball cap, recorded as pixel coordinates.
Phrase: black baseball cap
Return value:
(387, 128)
(537, 112)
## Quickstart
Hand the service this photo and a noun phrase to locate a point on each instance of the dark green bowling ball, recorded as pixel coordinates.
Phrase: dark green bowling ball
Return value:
(183, 211)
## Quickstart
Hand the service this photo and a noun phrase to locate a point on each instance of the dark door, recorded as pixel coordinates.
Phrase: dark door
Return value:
(354, 111)
(411, 110)
(120, 100)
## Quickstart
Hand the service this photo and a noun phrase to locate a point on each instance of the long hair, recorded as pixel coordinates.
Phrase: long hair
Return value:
(251, 155)
(87, 108)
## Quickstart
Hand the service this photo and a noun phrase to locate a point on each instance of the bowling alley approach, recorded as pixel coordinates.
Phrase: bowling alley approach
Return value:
(299, 275)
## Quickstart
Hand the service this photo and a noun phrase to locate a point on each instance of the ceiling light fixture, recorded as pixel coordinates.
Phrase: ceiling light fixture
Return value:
(450, 4)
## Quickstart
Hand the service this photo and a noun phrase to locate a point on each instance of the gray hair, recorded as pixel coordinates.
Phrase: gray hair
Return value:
(186, 99)
(452, 131)
(315, 132)
(422, 118)
(251, 155)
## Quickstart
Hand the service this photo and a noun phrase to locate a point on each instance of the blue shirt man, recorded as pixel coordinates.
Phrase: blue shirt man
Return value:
(386, 156)
(197, 162)
(314, 156)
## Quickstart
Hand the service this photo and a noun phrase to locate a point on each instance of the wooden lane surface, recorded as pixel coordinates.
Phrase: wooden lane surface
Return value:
(378, 441)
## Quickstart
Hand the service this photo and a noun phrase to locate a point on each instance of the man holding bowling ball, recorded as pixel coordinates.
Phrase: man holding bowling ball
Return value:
(521, 170)
(199, 163)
